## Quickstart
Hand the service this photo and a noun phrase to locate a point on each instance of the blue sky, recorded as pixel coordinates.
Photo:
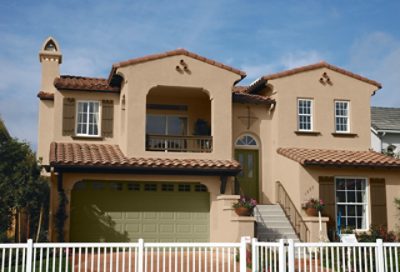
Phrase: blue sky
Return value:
(259, 37)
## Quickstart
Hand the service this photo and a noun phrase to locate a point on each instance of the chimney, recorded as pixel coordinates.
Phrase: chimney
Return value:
(50, 57)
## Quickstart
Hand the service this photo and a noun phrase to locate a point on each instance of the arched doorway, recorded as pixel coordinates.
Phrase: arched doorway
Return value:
(246, 152)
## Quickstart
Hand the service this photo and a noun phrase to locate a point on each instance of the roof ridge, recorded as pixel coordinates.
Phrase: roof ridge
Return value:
(317, 65)
(171, 53)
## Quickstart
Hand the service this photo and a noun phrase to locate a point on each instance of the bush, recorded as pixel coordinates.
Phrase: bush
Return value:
(377, 232)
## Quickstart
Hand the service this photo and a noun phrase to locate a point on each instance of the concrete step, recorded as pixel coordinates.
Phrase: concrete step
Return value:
(274, 227)
(268, 207)
(272, 224)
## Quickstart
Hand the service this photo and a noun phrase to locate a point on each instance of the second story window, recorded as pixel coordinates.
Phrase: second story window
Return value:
(88, 114)
(342, 116)
(304, 115)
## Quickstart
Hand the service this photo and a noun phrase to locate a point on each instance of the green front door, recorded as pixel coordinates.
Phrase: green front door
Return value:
(248, 178)
(126, 211)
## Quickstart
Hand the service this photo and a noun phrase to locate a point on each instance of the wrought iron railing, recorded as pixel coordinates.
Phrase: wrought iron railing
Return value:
(294, 216)
(172, 143)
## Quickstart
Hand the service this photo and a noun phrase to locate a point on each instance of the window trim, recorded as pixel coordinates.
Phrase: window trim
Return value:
(76, 120)
(348, 116)
(367, 196)
(256, 146)
(311, 114)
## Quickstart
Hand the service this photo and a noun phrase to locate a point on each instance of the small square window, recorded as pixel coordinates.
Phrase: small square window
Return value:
(184, 188)
(116, 186)
(200, 188)
(133, 186)
(150, 187)
(98, 185)
(167, 187)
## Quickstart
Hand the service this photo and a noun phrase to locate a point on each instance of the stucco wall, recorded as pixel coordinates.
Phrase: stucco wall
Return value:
(307, 85)
(217, 82)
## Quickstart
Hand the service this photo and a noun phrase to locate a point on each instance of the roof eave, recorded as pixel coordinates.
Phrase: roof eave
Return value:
(145, 170)
(351, 165)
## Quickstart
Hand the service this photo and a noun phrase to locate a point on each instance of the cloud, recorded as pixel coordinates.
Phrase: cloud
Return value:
(377, 56)
(289, 60)
(300, 58)
(255, 71)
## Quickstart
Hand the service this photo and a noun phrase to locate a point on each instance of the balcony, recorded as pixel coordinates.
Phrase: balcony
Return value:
(177, 143)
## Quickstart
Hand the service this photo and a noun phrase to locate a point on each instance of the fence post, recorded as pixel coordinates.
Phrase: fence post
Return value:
(291, 255)
(242, 261)
(381, 259)
(140, 255)
(29, 254)
(282, 256)
(254, 255)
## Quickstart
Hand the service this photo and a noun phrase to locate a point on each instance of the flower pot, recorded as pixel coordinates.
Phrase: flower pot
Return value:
(242, 211)
(310, 211)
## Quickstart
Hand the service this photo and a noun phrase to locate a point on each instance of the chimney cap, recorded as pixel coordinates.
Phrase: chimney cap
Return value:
(50, 50)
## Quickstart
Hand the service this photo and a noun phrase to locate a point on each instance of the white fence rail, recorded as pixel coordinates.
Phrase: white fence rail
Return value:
(248, 255)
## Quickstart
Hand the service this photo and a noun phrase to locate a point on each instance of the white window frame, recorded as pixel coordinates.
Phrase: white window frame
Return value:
(367, 204)
(87, 121)
(342, 116)
(311, 115)
(239, 146)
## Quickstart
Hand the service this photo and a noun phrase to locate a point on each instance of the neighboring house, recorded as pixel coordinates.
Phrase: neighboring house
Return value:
(162, 147)
(385, 130)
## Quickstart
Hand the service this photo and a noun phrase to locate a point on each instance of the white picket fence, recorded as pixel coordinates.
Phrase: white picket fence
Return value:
(248, 255)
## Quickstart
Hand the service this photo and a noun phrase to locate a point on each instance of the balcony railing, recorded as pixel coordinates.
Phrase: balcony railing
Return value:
(172, 143)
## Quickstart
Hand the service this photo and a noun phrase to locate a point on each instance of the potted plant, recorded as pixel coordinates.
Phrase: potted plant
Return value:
(313, 206)
(244, 206)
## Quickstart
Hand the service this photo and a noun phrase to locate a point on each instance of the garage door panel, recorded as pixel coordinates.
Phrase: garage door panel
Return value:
(118, 215)
(167, 216)
(132, 227)
(166, 228)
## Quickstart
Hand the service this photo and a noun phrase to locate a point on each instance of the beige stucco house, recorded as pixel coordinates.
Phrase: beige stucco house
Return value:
(162, 148)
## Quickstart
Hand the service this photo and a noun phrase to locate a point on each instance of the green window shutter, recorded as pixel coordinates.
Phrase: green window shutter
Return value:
(107, 118)
(377, 188)
(68, 125)
(327, 194)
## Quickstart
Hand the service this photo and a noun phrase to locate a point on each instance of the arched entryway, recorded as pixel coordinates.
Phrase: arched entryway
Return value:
(246, 152)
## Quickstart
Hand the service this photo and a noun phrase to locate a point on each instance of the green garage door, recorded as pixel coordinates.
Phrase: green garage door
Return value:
(127, 211)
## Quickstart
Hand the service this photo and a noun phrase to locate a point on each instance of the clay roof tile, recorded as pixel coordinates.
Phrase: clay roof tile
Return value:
(339, 158)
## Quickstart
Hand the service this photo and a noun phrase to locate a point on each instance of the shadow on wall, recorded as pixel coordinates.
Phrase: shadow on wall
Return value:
(102, 226)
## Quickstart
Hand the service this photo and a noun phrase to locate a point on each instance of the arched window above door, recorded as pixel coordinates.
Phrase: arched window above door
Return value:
(246, 141)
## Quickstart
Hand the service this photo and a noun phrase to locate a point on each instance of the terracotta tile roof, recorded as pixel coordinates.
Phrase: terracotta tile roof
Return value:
(240, 96)
(45, 96)
(79, 83)
(175, 52)
(339, 158)
(318, 65)
(106, 155)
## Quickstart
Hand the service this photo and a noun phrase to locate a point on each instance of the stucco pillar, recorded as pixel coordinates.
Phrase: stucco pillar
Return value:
(313, 225)
(229, 227)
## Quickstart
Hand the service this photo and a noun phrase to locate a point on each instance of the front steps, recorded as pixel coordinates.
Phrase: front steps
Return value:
(272, 224)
